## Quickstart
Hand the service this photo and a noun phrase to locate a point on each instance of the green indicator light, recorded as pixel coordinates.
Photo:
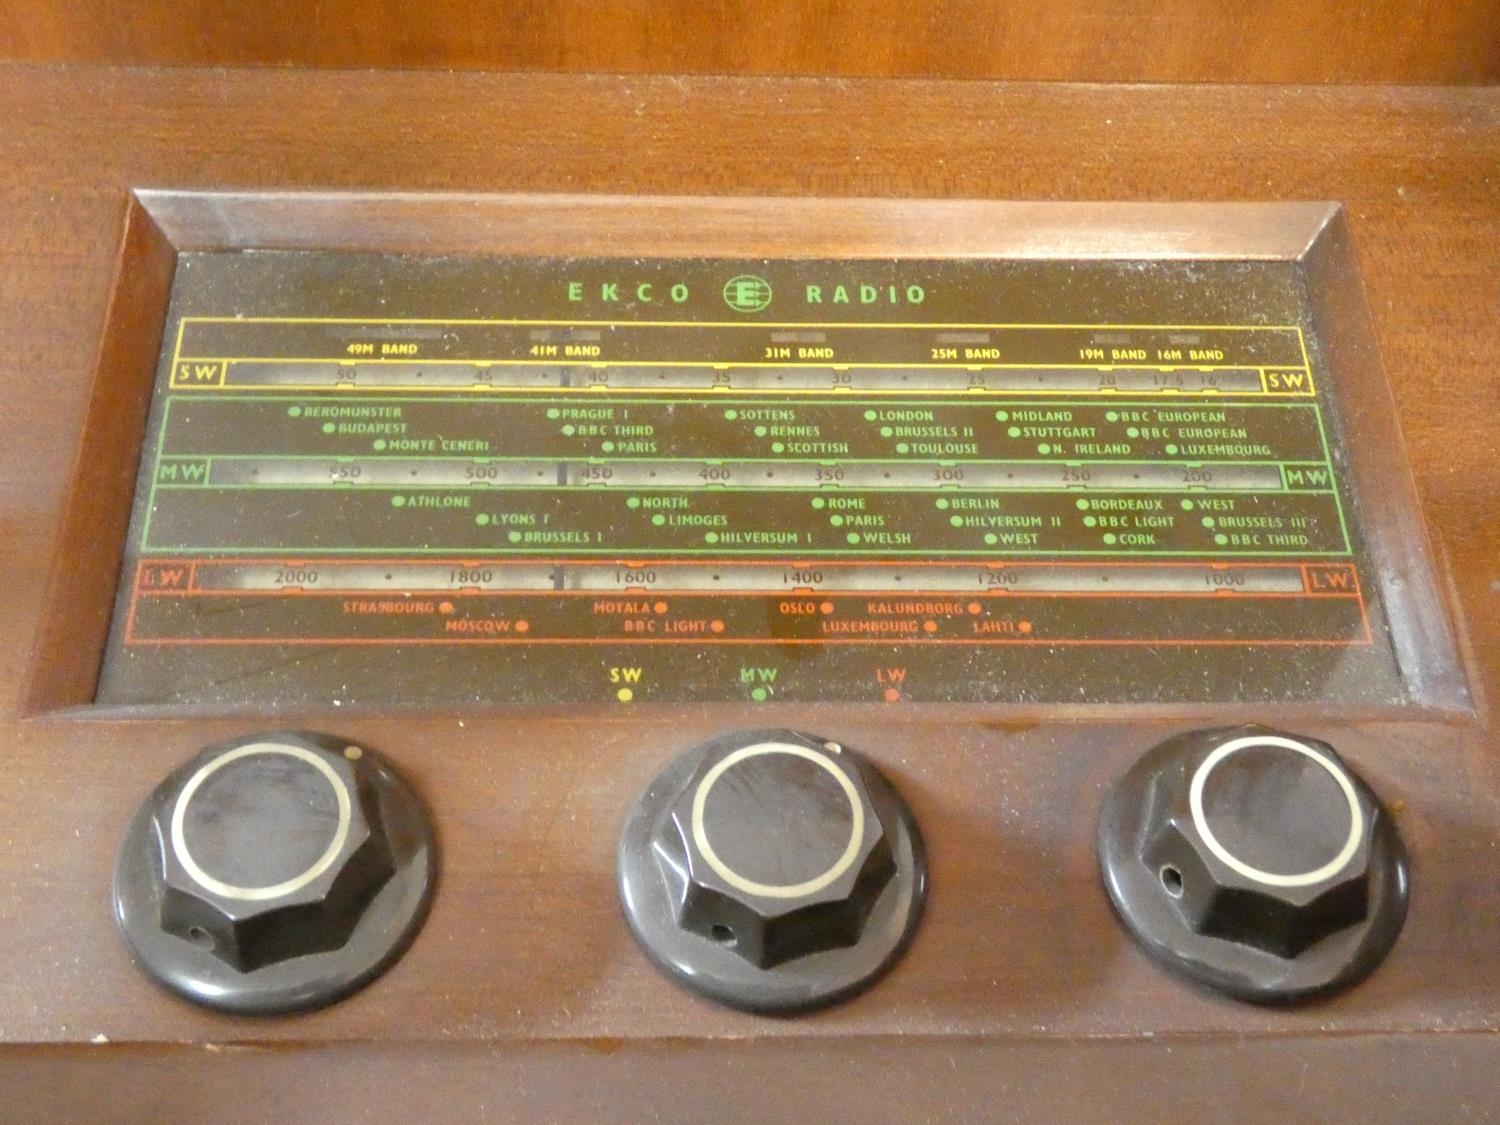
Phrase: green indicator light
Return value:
(777, 447)
(853, 537)
(956, 521)
(633, 502)
(329, 427)
(294, 411)
(1111, 416)
(1109, 538)
(1132, 432)
(554, 413)
(902, 447)
(837, 521)
(731, 414)
(942, 505)
(1187, 505)
(886, 431)
(608, 447)
(398, 501)
(514, 536)
(760, 431)
(1171, 449)
(991, 538)
(568, 430)
(1044, 449)
(1089, 521)
(758, 694)
(710, 536)
(1081, 505)
(659, 519)
(379, 444)
(1014, 431)
(1208, 521)
(1002, 416)
(818, 502)
(870, 415)
(482, 520)
(1222, 540)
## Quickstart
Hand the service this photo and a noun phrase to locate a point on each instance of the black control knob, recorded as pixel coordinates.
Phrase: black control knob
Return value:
(274, 873)
(772, 870)
(1254, 862)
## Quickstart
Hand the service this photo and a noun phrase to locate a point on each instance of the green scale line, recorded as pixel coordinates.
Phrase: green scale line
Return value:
(1333, 478)
(841, 401)
(161, 437)
(773, 459)
(483, 489)
(728, 398)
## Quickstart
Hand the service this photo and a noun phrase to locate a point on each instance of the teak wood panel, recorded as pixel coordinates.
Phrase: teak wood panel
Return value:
(1431, 41)
(524, 991)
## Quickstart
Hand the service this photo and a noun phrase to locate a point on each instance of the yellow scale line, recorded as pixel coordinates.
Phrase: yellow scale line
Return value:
(301, 387)
(718, 323)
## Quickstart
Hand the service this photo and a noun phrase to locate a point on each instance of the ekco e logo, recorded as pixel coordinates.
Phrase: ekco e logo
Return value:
(747, 293)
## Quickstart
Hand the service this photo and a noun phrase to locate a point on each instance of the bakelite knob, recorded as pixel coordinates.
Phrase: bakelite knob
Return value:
(772, 870)
(1255, 862)
(274, 873)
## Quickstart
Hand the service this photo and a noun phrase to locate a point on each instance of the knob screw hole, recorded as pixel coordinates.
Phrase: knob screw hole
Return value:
(201, 937)
(1171, 881)
(723, 935)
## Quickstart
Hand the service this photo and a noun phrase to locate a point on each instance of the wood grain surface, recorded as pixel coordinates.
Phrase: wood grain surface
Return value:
(1434, 41)
(525, 996)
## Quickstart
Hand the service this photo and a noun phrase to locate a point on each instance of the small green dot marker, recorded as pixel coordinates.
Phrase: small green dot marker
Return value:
(731, 414)
(1002, 415)
(398, 501)
(514, 536)
(1187, 505)
(1132, 432)
(608, 447)
(1014, 431)
(853, 537)
(1171, 449)
(818, 502)
(870, 415)
(956, 521)
(659, 520)
(569, 430)
(1044, 449)
(294, 411)
(633, 502)
(379, 444)
(760, 431)
(836, 521)
(991, 538)
(1109, 538)
(758, 694)
(554, 413)
(942, 505)
(777, 447)
(1089, 521)
(902, 447)
(482, 520)
(1222, 540)
(1208, 521)
(1081, 505)
(329, 427)
(710, 536)
(1111, 416)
